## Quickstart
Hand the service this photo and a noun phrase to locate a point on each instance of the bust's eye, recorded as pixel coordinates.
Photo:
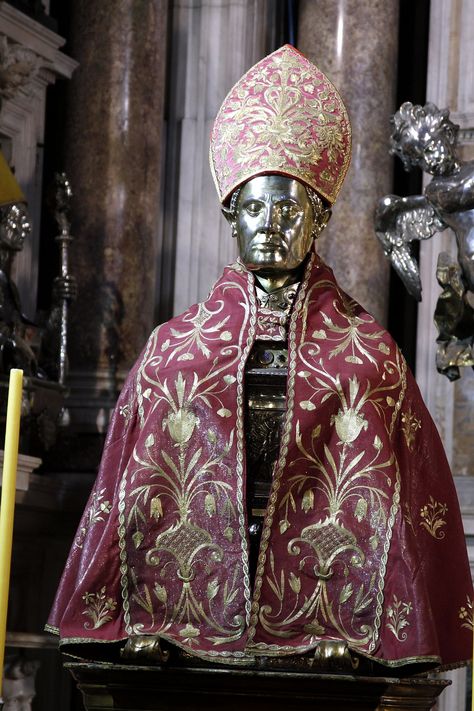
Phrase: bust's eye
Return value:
(254, 207)
(289, 210)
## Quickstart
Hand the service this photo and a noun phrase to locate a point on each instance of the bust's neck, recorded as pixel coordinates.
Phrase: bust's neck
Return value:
(272, 282)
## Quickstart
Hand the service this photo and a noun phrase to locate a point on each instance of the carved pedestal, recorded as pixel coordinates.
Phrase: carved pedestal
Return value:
(132, 688)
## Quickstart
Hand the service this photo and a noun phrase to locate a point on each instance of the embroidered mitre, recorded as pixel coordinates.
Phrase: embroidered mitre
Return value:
(283, 116)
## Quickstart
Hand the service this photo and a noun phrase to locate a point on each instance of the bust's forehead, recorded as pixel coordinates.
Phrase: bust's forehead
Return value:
(274, 185)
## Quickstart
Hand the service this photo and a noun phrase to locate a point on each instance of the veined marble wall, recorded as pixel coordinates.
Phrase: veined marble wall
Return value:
(213, 42)
(450, 84)
(355, 42)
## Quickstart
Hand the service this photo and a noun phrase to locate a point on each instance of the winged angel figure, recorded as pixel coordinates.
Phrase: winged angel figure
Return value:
(425, 137)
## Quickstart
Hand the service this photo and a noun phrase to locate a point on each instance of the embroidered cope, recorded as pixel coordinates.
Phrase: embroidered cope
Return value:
(362, 514)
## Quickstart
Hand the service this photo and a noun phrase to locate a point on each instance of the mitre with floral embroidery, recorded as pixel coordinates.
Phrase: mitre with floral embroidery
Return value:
(283, 116)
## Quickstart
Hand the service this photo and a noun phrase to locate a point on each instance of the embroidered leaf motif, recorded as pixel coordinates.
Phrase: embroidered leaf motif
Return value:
(295, 583)
(307, 405)
(316, 432)
(377, 443)
(210, 505)
(189, 633)
(211, 436)
(144, 600)
(397, 618)
(160, 593)
(374, 542)
(361, 509)
(224, 412)
(307, 502)
(432, 515)
(354, 359)
(150, 440)
(284, 526)
(98, 608)
(465, 614)
(346, 593)
(156, 508)
(212, 589)
(314, 628)
(137, 538)
(229, 533)
(410, 425)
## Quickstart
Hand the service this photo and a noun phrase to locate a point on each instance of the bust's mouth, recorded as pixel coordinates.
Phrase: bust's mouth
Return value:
(268, 243)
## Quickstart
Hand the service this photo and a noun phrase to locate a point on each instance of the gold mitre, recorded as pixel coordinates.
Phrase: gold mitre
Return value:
(283, 116)
(10, 191)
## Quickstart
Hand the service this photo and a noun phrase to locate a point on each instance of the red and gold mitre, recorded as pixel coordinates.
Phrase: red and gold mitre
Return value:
(283, 116)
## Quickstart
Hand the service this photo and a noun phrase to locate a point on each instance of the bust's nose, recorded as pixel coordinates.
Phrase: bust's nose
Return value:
(270, 222)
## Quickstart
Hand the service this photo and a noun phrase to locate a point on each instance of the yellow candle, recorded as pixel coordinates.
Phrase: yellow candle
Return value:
(7, 506)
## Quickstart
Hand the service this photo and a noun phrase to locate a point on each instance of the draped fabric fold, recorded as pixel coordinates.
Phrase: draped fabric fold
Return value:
(362, 516)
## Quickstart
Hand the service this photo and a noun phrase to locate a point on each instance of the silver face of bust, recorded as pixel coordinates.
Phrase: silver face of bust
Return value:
(273, 224)
(14, 226)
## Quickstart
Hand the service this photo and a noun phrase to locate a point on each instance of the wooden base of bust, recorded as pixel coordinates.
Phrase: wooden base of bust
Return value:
(133, 688)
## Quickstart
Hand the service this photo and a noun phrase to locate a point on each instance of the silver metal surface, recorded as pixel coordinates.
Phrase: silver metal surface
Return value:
(424, 137)
(63, 196)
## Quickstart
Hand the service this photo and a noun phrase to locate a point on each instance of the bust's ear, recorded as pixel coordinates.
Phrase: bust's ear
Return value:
(325, 217)
(320, 224)
(229, 215)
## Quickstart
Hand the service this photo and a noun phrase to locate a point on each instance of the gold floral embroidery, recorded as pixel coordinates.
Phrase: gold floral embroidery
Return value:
(432, 518)
(351, 338)
(410, 424)
(294, 120)
(95, 513)
(196, 335)
(466, 614)
(98, 608)
(397, 614)
(126, 412)
(166, 485)
(408, 517)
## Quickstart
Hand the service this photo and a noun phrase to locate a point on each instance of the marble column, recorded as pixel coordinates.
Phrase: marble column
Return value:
(213, 42)
(113, 158)
(355, 43)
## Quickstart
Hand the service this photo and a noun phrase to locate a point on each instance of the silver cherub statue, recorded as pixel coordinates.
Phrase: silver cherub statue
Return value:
(425, 137)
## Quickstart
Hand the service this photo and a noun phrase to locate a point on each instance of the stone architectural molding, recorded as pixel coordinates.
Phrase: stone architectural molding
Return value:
(30, 60)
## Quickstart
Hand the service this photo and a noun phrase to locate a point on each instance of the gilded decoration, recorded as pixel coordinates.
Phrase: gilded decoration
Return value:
(341, 478)
(338, 500)
(433, 518)
(98, 607)
(98, 510)
(410, 424)
(466, 614)
(283, 116)
(180, 491)
(398, 613)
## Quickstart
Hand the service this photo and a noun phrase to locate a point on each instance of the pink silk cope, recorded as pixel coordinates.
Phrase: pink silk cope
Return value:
(362, 539)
